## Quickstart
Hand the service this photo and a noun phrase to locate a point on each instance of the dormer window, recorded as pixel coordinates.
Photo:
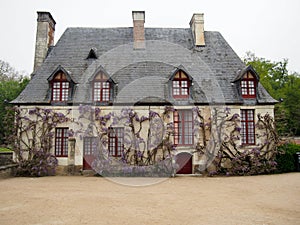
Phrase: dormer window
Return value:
(60, 87)
(248, 86)
(246, 81)
(101, 88)
(180, 85)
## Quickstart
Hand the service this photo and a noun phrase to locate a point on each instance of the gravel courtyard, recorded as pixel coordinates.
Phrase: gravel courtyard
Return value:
(273, 199)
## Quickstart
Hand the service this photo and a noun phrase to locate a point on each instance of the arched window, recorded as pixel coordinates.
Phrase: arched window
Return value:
(248, 86)
(180, 85)
(60, 87)
(101, 88)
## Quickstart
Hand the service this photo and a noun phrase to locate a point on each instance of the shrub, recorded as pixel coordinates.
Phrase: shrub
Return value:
(285, 159)
(42, 164)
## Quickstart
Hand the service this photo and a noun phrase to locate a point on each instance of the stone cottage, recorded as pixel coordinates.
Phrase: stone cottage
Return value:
(153, 92)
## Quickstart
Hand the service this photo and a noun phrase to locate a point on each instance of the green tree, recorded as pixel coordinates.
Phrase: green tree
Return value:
(282, 86)
(11, 85)
(291, 103)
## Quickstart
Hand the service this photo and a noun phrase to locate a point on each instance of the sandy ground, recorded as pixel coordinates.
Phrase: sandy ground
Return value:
(273, 199)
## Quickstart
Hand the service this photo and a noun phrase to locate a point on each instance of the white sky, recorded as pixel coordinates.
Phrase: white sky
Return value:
(269, 28)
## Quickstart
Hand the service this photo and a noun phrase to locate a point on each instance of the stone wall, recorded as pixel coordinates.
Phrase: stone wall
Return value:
(6, 158)
(76, 160)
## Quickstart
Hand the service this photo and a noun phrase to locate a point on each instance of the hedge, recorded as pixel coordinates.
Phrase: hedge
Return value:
(286, 161)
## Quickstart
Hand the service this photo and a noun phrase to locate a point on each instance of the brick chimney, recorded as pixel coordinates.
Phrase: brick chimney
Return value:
(138, 29)
(197, 26)
(44, 37)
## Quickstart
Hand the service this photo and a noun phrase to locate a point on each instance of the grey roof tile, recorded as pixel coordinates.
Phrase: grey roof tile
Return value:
(142, 75)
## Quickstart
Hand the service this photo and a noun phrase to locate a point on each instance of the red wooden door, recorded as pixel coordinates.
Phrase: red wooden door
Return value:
(185, 163)
(87, 161)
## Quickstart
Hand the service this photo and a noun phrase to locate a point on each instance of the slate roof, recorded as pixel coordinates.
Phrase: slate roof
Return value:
(142, 75)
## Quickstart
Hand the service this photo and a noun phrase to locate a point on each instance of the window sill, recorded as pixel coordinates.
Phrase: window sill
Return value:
(249, 96)
(248, 145)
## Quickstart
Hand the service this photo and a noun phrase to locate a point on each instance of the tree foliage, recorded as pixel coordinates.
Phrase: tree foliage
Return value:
(282, 86)
(12, 83)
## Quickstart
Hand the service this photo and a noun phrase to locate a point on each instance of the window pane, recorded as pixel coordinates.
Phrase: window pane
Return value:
(184, 83)
(105, 85)
(244, 91)
(244, 83)
(243, 114)
(97, 84)
(184, 91)
(176, 91)
(65, 84)
(105, 96)
(250, 115)
(187, 115)
(56, 85)
(176, 84)
(65, 94)
(97, 95)
(251, 91)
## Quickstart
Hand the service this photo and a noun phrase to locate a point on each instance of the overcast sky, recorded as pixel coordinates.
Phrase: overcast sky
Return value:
(269, 28)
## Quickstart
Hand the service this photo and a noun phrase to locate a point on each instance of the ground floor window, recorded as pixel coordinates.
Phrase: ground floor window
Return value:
(116, 141)
(183, 125)
(61, 142)
(89, 145)
(247, 123)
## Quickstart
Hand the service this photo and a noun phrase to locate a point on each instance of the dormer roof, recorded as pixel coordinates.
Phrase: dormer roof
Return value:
(61, 69)
(246, 69)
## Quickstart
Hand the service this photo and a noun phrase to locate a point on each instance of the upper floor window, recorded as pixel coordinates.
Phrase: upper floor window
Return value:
(101, 88)
(60, 88)
(180, 85)
(248, 86)
(247, 131)
(183, 127)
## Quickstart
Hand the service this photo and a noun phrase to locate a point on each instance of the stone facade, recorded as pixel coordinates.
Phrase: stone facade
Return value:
(78, 125)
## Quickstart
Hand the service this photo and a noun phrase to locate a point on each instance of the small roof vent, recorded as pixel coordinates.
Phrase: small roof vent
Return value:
(92, 54)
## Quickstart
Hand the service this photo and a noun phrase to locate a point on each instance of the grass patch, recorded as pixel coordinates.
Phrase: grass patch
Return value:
(5, 150)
